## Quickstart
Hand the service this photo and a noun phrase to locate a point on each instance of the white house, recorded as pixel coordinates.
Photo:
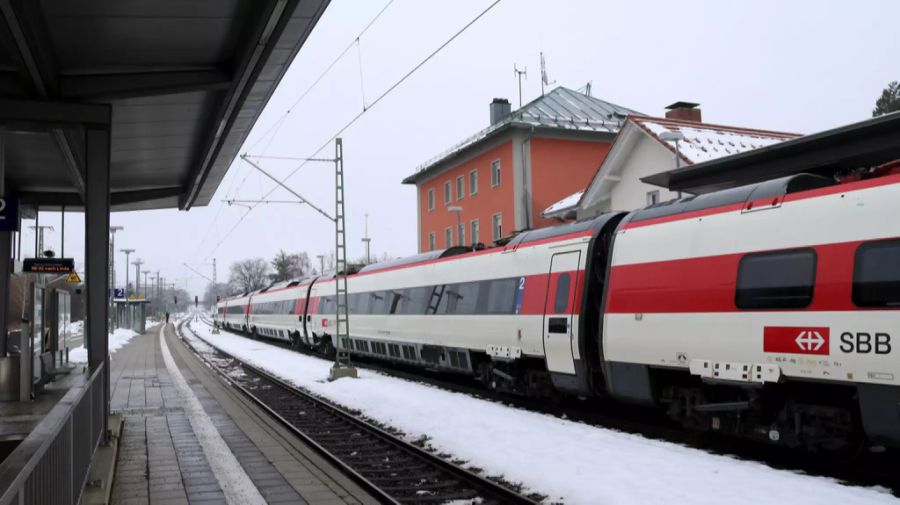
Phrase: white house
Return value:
(648, 145)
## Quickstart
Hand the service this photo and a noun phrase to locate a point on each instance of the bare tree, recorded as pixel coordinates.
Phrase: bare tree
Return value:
(249, 275)
(289, 266)
(209, 296)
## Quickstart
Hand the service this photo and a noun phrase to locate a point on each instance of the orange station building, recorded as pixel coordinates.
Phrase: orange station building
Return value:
(499, 180)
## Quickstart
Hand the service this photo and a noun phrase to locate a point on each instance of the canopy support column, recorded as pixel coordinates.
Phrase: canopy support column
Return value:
(96, 244)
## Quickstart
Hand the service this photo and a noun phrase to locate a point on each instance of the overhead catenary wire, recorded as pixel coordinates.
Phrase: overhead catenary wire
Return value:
(355, 42)
(276, 126)
(355, 118)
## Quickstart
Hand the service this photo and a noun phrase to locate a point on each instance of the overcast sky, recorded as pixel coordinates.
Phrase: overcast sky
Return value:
(800, 66)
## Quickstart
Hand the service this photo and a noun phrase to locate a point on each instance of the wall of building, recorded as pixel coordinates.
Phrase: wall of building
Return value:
(481, 206)
(647, 158)
(558, 169)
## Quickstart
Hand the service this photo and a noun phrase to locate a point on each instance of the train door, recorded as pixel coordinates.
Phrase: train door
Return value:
(559, 310)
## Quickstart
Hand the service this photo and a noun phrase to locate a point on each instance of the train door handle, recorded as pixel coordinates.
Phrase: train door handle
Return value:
(558, 325)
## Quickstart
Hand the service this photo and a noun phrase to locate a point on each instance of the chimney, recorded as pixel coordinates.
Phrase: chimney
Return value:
(500, 108)
(687, 111)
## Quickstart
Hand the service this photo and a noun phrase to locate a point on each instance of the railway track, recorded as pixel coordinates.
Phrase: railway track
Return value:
(869, 469)
(388, 467)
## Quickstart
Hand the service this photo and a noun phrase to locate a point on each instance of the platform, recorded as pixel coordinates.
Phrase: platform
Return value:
(163, 458)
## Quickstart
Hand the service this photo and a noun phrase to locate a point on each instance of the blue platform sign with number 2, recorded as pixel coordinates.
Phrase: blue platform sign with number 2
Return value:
(9, 214)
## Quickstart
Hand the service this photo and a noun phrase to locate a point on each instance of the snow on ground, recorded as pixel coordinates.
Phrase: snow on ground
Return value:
(569, 462)
(117, 339)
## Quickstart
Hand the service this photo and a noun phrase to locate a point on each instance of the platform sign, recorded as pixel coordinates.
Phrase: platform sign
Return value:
(48, 265)
(9, 214)
(119, 293)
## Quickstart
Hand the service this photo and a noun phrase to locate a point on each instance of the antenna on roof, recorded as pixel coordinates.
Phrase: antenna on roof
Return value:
(519, 74)
(544, 79)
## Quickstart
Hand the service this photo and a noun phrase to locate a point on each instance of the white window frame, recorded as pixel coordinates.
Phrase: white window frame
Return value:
(474, 230)
(473, 182)
(497, 226)
(430, 199)
(461, 233)
(432, 239)
(652, 197)
(448, 237)
(460, 187)
(495, 173)
(448, 192)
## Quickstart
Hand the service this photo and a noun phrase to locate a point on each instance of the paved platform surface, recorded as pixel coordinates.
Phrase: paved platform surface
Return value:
(162, 460)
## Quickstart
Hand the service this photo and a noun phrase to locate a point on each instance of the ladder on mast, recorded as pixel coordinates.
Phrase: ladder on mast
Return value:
(342, 366)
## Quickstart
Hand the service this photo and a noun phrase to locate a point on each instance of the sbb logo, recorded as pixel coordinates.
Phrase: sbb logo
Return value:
(796, 340)
(865, 343)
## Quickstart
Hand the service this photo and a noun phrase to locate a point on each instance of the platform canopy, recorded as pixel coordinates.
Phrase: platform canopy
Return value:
(864, 144)
(183, 83)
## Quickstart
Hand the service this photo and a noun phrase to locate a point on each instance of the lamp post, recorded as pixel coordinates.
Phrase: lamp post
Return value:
(112, 272)
(458, 210)
(366, 239)
(127, 309)
(673, 136)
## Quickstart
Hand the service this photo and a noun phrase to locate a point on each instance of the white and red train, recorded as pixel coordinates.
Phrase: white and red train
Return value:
(769, 310)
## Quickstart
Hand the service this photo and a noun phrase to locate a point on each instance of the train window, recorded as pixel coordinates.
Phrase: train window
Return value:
(501, 296)
(460, 298)
(415, 300)
(876, 274)
(561, 300)
(776, 280)
(395, 298)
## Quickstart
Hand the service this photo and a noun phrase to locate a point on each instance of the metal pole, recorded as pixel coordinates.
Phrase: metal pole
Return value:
(342, 366)
(96, 245)
(62, 239)
(137, 276)
(321, 263)
(367, 240)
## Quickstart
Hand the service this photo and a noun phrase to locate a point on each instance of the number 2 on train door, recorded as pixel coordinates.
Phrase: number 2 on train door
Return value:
(559, 309)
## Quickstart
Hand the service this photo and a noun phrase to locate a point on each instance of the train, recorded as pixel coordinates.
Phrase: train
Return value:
(767, 311)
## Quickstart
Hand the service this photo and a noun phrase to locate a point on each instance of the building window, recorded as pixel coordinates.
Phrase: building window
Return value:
(461, 234)
(876, 275)
(448, 190)
(431, 241)
(473, 182)
(448, 237)
(653, 197)
(460, 187)
(776, 280)
(431, 199)
(473, 232)
(495, 173)
(497, 227)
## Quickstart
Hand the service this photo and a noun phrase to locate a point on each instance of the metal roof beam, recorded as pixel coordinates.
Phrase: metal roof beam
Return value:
(72, 201)
(30, 113)
(264, 37)
(133, 85)
(26, 27)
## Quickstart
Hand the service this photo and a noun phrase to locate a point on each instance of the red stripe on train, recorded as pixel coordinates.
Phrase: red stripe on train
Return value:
(708, 284)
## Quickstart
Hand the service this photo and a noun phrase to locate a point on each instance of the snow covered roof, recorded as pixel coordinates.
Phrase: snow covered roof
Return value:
(562, 109)
(704, 142)
(559, 208)
(701, 142)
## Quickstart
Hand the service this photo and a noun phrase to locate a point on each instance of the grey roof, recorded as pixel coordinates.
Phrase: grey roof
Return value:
(184, 83)
(561, 109)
